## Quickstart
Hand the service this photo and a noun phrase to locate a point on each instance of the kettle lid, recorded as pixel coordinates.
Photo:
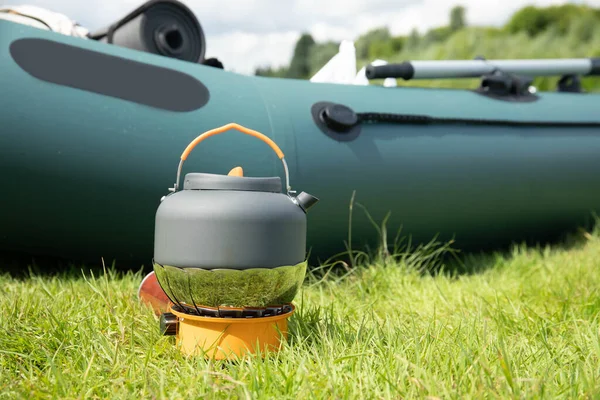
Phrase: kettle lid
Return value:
(200, 181)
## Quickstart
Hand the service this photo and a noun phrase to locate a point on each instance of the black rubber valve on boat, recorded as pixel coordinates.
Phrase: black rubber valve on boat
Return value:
(339, 118)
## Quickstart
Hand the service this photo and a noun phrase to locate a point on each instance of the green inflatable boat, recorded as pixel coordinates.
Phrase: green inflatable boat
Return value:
(91, 134)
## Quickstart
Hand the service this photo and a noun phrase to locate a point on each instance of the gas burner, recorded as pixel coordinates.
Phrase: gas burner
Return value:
(231, 334)
(233, 312)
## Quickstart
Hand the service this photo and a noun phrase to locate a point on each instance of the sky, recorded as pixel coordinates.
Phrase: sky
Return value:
(245, 34)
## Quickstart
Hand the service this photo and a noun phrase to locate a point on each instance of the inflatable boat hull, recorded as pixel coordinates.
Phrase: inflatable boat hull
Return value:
(91, 136)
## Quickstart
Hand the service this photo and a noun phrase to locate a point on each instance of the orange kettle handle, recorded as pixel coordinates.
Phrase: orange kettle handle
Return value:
(242, 129)
(227, 127)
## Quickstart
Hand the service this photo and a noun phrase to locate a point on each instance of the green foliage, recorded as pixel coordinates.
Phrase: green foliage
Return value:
(378, 43)
(583, 29)
(493, 44)
(320, 53)
(300, 65)
(413, 39)
(566, 31)
(534, 20)
(457, 18)
(364, 42)
(529, 19)
(271, 72)
(437, 35)
(386, 49)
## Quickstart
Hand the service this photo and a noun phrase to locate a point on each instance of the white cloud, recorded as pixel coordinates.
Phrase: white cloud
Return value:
(322, 31)
(242, 52)
(245, 34)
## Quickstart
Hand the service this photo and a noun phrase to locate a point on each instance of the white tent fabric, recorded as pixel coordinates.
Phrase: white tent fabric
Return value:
(43, 19)
(342, 68)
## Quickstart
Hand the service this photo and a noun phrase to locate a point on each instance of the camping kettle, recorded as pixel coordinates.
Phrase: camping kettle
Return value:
(231, 221)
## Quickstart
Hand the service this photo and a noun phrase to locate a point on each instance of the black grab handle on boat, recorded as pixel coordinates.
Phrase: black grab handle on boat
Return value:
(595, 67)
(403, 70)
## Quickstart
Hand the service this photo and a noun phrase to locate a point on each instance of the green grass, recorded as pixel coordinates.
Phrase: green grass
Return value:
(522, 325)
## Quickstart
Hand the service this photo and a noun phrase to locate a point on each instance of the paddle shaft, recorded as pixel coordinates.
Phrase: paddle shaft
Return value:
(476, 68)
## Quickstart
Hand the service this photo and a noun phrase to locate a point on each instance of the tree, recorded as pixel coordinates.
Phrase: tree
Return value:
(364, 42)
(457, 18)
(529, 19)
(440, 34)
(584, 28)
(535, 20)
(300, 64)
(413, 39)
(271, 72)
(321, 53)
(386, 49)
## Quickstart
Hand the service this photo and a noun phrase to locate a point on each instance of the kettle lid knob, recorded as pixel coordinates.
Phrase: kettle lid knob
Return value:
(237, 171)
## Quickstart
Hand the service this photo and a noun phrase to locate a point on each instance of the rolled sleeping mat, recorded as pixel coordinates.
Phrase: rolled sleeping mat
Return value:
(164, 27)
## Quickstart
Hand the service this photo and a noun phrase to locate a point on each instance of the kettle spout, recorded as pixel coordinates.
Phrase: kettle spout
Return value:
(306, 201)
